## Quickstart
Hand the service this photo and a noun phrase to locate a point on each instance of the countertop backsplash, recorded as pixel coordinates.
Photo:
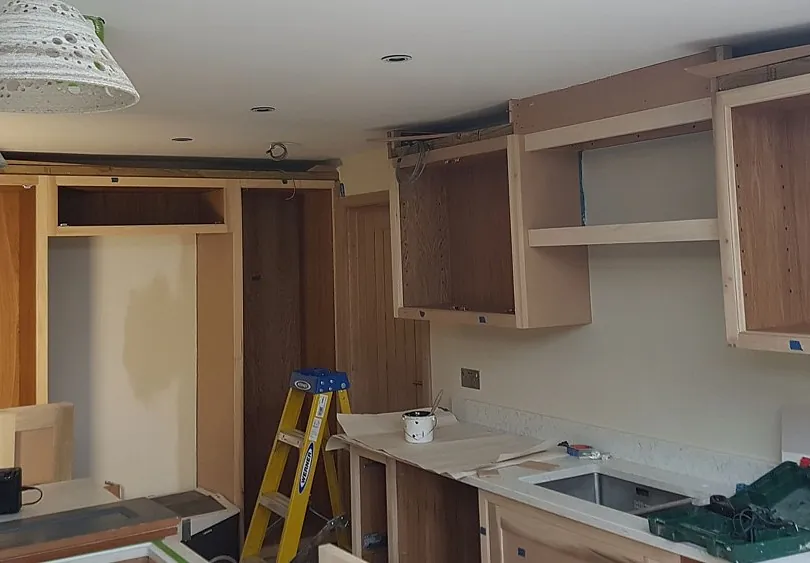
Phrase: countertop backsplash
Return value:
(711, 465)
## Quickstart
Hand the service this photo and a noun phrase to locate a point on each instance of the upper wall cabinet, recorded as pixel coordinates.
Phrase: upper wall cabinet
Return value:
(491, 232)
(108, 205)
(460, 241)
(762, 136)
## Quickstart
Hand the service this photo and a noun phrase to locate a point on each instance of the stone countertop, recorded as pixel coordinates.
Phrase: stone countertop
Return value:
(519, 484)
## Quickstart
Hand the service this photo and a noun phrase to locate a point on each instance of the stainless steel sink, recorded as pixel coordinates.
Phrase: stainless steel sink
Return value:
(619, 494)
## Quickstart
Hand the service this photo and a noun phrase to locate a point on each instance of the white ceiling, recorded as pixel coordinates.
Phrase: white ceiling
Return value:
(201, 64)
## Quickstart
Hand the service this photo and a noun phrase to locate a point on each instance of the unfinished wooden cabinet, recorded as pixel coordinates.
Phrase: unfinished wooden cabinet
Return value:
(460, 245)
(762, 137)
(516, 533)
(88, 206)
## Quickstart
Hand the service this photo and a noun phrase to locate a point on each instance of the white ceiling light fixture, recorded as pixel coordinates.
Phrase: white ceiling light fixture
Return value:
(52, 61)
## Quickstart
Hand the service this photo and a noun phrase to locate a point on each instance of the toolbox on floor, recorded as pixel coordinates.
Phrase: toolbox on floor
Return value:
(768, 519)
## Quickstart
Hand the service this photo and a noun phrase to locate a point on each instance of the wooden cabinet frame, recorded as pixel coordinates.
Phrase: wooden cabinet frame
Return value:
(739, 331)
(219, 289)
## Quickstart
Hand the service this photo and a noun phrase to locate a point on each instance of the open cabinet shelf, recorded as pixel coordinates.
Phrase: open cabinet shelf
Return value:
(690, 230)
(460, 241)
(763, 165)
(132, 206)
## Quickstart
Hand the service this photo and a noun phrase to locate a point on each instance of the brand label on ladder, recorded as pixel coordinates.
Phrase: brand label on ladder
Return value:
(305, 469)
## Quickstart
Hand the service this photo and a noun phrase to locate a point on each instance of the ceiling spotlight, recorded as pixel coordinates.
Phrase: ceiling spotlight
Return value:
(182, 139)
(277, 151)
(401, 58)
(262, 109)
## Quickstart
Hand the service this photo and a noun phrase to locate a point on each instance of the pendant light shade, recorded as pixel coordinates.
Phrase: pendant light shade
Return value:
(52, 61)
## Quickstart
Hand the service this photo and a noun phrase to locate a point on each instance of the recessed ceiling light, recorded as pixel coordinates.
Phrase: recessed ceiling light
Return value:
(262, 109)
(182, 139)
(402, 58)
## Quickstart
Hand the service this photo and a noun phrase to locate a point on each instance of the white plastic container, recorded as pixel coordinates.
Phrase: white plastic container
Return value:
(419, 426)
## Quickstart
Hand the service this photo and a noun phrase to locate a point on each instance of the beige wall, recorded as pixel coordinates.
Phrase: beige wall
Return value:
(654, 361)
(123, 350)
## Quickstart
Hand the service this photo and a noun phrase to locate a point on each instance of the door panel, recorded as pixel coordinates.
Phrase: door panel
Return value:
(388, 358)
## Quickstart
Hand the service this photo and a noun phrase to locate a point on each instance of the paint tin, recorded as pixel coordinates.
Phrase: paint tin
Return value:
(419, 426)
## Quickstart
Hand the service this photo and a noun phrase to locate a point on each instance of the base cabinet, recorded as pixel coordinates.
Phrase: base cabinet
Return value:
(515, 533)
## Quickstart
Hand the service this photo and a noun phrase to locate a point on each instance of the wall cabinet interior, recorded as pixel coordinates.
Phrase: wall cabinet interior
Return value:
(87, 206)
(456, 241)
(17, 296)
(763, 144)
(462, 250)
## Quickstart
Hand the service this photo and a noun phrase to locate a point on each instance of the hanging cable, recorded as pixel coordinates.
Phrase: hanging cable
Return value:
(418, 168)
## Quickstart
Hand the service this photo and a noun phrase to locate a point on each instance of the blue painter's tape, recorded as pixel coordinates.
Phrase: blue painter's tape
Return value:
(521, 552)
(796, 345)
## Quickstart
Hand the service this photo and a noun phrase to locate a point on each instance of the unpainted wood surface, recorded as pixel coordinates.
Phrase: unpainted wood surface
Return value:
(438, 518)
(283, 313)
(523, 534)
(552, 285)
(770, 254)
(135, 206)
(272, 319)
(480, 243)
(17, 297)
(798, 129)
(373, 507)
(646, 88)
(215, 365)
(388, 358)
(44, 442)
(423, 210)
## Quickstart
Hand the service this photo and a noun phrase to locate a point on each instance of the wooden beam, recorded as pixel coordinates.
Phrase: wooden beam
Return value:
(24, 168)
(113, 182)
(287, 184)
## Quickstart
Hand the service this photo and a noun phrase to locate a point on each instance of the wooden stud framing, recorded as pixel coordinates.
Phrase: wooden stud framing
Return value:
(220, 354)
(45, 223)
(113, 182)
(751, 62)
(456, 151)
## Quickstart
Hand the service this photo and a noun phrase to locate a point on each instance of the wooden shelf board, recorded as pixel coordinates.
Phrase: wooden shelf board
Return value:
(448, 315)
(675, 115)
(138, 230)
(690, 230)
(800, 329)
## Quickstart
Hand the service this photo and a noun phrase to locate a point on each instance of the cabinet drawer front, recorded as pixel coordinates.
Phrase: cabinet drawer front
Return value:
(526, 535)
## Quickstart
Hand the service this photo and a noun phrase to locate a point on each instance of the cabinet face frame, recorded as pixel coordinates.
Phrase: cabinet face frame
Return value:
(737, 332)
(571, 536)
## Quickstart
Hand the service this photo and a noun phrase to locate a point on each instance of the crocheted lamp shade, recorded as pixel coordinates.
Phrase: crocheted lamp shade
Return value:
(52, 61)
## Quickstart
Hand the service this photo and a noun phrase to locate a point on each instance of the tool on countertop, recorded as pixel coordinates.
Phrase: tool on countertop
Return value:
(581, 451)
(321, 385)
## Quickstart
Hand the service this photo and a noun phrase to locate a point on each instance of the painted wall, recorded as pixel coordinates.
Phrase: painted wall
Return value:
(654, 361)
(123, 349)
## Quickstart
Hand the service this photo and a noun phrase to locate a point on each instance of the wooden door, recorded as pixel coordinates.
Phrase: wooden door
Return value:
(17, 297)
(388, 359)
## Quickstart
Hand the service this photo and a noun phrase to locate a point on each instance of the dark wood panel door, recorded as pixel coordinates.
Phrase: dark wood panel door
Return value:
(388, 359)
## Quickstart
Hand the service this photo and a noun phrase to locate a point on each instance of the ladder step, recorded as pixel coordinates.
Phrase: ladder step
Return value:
(292, 437)
(277, 503)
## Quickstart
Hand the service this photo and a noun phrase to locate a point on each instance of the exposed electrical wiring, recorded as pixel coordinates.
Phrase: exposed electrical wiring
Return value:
(419, 167)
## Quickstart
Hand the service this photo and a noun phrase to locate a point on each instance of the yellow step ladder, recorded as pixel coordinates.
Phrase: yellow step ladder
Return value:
(322, 385)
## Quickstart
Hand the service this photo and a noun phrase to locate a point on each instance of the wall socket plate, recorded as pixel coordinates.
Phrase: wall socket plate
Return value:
(470, 378)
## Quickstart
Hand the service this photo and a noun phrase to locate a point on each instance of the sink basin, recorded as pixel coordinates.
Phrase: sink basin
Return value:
(616, 493)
